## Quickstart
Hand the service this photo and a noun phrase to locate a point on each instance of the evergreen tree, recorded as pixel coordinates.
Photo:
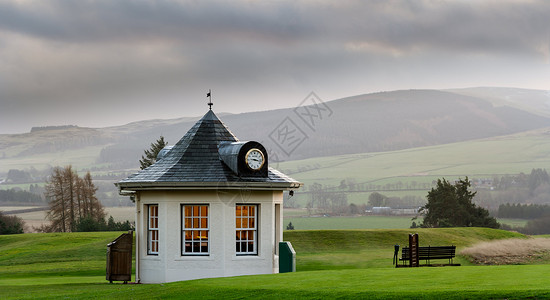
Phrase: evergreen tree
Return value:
(151, 154)
(450, 205)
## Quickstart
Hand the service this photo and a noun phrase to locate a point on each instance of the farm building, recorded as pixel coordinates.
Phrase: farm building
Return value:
(209, 207)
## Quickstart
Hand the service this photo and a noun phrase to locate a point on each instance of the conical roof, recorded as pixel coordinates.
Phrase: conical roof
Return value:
(194, 162)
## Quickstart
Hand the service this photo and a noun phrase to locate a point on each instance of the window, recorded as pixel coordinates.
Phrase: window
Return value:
(153, 229)
(195, 230)
(246, 218)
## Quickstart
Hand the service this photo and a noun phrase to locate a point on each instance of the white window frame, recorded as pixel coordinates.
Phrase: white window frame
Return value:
(246, 230)
(199, 243)
(153, 229)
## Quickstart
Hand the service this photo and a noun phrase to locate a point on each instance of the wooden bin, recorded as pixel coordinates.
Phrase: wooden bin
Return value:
(119, 258)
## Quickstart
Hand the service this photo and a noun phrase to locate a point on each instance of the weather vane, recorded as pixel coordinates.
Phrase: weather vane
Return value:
(209, 96)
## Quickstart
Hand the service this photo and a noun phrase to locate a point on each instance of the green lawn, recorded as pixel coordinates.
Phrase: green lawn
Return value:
(500, 282)
(360, 222)
(304, 222)
(330, 263)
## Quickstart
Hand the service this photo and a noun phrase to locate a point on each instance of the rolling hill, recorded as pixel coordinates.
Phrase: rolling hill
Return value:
(386, 121)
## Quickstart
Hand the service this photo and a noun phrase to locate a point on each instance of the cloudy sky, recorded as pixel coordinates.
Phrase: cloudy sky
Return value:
(101, 63)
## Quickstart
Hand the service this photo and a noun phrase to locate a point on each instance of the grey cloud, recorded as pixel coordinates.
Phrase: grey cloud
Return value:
(449, 25)
(62, 51)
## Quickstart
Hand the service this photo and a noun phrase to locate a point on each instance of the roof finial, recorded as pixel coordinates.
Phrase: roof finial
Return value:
(209, 95)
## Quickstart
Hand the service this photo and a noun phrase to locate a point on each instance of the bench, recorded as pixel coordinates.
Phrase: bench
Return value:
(431, 252)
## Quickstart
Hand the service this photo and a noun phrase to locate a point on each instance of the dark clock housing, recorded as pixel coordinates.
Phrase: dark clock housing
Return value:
(233, 155)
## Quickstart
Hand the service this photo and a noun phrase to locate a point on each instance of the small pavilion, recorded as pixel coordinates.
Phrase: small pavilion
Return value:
(209, 207)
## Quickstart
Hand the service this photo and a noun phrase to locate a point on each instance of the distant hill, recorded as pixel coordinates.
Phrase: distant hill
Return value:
(392, 121)
(534, 101)
(365, 123)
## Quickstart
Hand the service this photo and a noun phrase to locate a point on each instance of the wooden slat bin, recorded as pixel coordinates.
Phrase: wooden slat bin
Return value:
(119, 258)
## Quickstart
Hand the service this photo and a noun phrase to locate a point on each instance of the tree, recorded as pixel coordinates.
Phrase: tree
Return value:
(450, 205)
(11, 224)
(290, 226)
(376, 199)
(151, 154)
(70, 199)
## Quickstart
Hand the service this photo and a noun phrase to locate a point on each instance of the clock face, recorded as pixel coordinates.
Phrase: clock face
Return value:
(254, 159)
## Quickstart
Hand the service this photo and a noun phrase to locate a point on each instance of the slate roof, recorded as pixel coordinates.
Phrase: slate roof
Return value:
(194, 162)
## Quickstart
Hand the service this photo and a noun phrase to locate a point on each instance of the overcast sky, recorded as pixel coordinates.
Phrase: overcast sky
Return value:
(102, 63)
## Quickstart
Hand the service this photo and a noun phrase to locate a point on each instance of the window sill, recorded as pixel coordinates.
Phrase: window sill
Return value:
(247, 257)
(194, 258)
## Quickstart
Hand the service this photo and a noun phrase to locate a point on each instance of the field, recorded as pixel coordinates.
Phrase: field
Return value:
(414, 167)
(38, 218)
(299, 218)
(331, 264)
(500, 155)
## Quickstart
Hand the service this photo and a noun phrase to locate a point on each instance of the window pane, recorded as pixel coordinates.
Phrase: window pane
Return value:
(238, 211)
(245, 225)
(238, 221)
(152, 229)
(195, 241)
(187, 223)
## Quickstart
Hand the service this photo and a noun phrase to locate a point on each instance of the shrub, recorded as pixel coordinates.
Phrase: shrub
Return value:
(11, 224)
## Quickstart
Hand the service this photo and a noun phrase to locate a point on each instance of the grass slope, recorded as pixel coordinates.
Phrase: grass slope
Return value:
(351, 249)
(475, 159)
(30, 256)
(348, 264)
(502, 155)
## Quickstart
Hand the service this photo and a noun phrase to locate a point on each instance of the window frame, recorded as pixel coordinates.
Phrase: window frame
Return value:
(151, 230)
(201, 230)
(239, 241)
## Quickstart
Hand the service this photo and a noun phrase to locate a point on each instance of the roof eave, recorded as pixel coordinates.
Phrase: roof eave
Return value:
(124, 187)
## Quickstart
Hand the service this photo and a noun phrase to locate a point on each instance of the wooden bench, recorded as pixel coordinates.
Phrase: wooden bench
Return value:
(431, 252)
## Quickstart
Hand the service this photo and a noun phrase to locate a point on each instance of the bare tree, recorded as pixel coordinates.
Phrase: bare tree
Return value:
(70, 199)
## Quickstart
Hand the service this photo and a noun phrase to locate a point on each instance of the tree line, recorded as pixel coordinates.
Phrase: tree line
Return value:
(18, 197)
(523, 211)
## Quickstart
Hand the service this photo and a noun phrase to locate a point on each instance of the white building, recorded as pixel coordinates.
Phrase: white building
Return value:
(210, 207)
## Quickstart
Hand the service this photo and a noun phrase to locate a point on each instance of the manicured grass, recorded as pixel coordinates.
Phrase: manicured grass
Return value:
(304, 222)
(510, 282)
(359, 222)
(351, 249)
(51, 255)
(331, 264)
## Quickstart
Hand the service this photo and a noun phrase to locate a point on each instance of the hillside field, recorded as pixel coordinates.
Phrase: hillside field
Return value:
(413, 167)
(331, 264)
(502, 155)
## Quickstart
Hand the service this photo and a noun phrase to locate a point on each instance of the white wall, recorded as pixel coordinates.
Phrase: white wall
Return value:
(169, 265)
